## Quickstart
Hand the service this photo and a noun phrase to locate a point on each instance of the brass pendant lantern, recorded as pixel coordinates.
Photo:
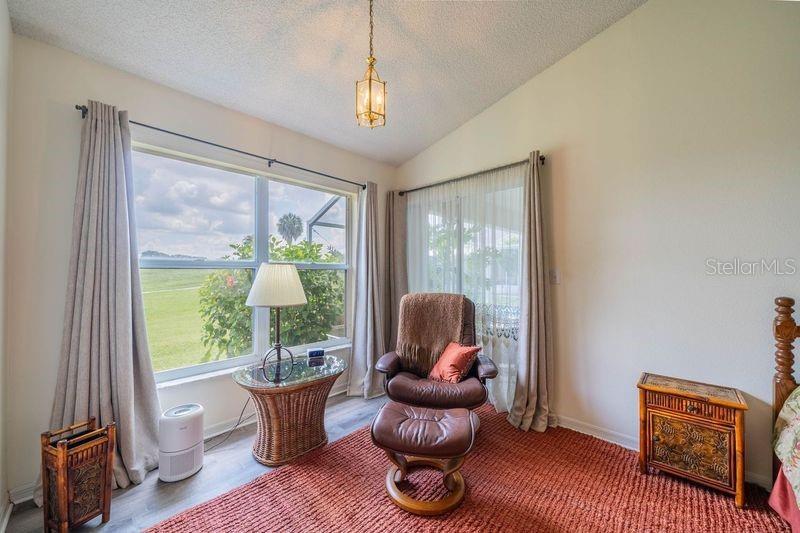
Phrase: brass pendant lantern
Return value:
(371, 91)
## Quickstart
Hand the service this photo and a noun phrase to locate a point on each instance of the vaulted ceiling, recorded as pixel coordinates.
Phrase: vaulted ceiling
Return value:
(294, 63)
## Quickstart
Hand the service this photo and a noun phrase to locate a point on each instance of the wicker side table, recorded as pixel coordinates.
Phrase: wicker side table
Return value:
(291, 414)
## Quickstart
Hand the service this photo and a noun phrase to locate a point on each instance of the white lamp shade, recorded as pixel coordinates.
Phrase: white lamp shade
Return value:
(276, 286)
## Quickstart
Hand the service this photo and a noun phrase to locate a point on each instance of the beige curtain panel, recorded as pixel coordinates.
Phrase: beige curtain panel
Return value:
(531, 404)
(105, 369)
(396, 262)
(368, 330)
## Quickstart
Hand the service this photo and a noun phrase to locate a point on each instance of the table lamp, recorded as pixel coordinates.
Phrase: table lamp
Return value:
(276, 286)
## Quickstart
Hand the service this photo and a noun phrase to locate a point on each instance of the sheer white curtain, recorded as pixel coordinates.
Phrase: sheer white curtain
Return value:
(465, 237)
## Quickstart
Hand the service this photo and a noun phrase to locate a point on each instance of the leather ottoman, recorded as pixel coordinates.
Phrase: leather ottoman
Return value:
(439, 438)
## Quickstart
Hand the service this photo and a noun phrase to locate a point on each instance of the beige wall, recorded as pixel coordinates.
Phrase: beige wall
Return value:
(671, 138)
(47, 83)
(5, 68)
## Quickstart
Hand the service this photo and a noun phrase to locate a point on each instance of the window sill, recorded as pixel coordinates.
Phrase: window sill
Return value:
(206, 376)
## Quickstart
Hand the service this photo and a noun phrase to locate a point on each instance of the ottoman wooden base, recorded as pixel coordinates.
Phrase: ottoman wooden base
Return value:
(451, 478)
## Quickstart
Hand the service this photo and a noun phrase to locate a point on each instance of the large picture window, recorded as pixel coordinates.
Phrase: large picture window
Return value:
(202, 231)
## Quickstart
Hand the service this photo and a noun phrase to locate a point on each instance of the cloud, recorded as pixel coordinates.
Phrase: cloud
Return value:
(236, 224)
(183, 208)
(182, 190)
(190, 209)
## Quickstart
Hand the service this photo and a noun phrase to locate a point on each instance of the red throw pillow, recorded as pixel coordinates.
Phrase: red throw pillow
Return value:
(454, 363)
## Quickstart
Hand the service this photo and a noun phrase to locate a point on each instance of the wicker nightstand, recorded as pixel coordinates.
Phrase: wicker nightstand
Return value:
(693, 430)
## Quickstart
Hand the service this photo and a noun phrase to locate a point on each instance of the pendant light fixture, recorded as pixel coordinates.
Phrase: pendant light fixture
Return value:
(371, 91)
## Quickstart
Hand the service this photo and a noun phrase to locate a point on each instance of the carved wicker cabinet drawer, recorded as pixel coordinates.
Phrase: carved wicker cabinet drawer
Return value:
(693, 430)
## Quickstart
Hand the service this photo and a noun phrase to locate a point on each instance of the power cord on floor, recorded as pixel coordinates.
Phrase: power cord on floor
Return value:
(235, 426)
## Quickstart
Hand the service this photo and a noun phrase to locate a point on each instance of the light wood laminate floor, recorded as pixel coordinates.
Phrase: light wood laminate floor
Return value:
(226, 467)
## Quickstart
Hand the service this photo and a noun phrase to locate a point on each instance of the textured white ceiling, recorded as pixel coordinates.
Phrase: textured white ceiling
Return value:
(294, 63)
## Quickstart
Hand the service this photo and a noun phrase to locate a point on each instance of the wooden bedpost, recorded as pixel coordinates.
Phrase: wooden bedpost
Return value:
(785, 330)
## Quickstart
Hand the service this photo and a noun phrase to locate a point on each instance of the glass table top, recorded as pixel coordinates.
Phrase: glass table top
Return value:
(253, 375)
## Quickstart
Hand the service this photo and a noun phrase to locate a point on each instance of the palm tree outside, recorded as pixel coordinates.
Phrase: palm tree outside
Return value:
(290, 227)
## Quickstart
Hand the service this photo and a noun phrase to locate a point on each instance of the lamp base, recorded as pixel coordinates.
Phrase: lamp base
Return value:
(276, 368)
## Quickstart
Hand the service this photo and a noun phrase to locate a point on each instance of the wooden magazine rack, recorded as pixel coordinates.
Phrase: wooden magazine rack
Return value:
(77, 463)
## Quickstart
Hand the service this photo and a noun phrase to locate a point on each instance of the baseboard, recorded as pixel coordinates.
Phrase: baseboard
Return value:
(6, 516)
(632, 443)
(21, 494)
(607, 435)
(220, 428)
(759, 479)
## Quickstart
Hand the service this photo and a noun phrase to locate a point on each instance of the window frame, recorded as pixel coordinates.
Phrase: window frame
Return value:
(261, 325)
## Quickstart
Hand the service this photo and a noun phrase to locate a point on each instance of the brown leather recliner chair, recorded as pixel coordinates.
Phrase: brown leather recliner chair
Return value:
(428, 322)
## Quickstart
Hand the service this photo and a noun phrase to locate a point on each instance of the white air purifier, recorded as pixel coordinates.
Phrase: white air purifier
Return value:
(180, 442)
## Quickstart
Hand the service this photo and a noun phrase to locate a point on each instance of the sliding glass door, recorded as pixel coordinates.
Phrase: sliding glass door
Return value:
(464, 237)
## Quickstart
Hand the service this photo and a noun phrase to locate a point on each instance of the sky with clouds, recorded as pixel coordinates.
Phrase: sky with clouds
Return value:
(193, 210)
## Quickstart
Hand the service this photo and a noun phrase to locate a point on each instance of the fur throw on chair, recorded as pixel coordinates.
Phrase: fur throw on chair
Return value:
(428, 322)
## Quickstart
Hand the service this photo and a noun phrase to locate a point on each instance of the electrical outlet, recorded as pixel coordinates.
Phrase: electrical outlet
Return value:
(555, 277)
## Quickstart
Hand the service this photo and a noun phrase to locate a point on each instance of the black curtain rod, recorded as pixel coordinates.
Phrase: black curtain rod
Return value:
(270, 160)
(459, 178)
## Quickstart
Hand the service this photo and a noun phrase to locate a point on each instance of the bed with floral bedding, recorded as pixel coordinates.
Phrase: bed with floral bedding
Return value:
(787, 449)
(786, 437)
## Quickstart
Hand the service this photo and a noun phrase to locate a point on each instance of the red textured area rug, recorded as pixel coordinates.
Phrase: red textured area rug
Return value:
(559, 480)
